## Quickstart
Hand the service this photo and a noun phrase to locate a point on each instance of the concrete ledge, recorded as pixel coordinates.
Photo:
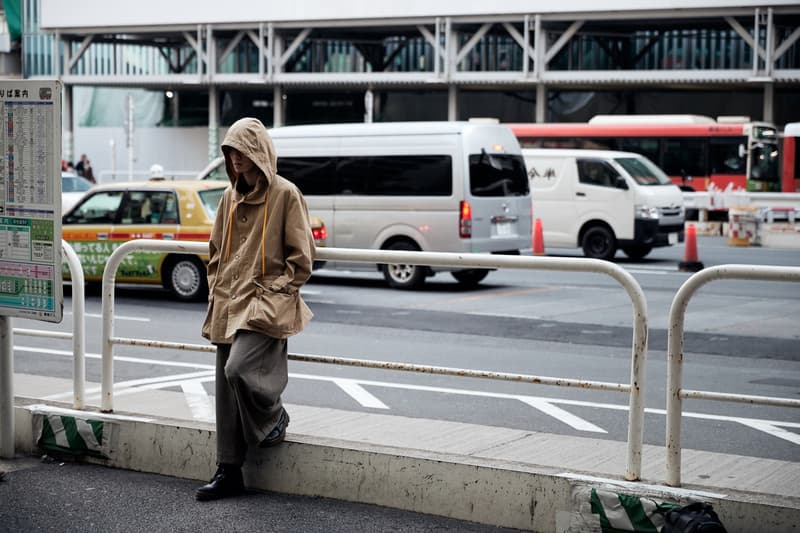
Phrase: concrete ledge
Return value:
(490, 491)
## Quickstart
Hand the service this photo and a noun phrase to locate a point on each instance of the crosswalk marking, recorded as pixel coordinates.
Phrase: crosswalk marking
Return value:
(359, 393)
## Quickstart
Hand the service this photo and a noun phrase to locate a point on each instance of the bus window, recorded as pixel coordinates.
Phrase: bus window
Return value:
(764, 168)
(685, 157)
(647, 147)
(724, 155)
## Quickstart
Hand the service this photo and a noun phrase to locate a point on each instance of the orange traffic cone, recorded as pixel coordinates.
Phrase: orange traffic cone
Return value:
(538, 238)
(690, 262)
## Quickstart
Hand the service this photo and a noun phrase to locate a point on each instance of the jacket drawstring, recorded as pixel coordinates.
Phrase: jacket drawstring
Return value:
(229, 236)
(230, 230)
(264, 234)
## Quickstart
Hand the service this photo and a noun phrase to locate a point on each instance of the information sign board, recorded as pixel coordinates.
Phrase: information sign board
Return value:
(30, 199)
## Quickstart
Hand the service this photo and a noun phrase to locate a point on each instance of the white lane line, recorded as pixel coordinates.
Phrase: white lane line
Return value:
(359, 393)
(772, 429)
(116, 317)
(561, 415)
(199, 403)
(128, 387)
(126, 359)
(642, 271)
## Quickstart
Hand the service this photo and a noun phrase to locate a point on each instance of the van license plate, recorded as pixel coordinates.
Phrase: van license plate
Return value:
(672, 238)
(502, 229)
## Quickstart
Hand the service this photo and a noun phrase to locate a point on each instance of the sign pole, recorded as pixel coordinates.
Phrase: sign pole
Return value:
(7, 430)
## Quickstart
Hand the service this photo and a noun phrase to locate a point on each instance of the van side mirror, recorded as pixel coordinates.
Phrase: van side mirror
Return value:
(621, 183)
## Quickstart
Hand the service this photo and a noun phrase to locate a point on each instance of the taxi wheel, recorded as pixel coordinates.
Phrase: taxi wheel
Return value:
(403, 276)
(186, 278)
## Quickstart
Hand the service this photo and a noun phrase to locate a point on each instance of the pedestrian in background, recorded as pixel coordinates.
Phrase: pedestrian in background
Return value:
(80, 166)
(260, 254)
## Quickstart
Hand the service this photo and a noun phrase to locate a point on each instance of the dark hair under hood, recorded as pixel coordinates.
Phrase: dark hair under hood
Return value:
(250, 137)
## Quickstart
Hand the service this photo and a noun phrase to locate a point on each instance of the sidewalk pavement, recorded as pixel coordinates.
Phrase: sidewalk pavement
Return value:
(490, 475)
(70, 497)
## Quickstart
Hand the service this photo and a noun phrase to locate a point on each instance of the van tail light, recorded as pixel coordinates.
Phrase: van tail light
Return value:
(465, 220)
(319, 234)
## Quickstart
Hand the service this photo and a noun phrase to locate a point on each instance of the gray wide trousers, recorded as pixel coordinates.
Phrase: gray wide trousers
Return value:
(252, 373)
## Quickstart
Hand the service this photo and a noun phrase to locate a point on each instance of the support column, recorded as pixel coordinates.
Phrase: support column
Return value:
(452, 102)
(213, 123)
(68, 139)
(7, 430)
(541, 103)
(277, 106)
(769, 99)
(369, 106)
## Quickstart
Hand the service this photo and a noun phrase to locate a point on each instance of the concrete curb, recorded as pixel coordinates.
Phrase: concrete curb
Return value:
(495, 492)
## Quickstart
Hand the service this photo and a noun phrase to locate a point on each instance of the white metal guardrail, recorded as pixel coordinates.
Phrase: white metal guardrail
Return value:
(78, 334)
(675, 391)
(7, 429)
(635, 388)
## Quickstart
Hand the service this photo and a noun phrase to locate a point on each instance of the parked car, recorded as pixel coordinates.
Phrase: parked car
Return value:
(112, 214)
(73, 188)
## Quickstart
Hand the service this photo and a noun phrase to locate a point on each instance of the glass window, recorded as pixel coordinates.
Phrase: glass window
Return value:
(685, 157)
(210, 198)
(497, 175)
(647, 147)
(764, 167)
(644, 171)
(135, 209)
(723, 154)
(397, 175)
(312, 175)
(596, 172)
(154, 209)
(74, 184)
(99, 208)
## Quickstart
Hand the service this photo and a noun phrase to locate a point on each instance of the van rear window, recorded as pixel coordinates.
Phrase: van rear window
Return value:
(497, 175)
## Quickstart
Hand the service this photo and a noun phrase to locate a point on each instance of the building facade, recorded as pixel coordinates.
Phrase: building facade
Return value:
(211, 63)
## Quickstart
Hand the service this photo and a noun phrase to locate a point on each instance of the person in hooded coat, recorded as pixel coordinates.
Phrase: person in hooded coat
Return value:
(260, 254)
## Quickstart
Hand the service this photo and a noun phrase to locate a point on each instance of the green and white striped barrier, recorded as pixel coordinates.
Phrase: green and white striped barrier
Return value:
(620, 513)
(74, 436)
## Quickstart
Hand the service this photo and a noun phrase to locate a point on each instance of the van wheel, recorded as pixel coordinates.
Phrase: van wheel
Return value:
(403, 276)
(637, 251)
(185, 277)
(470, 278)
(599, 243)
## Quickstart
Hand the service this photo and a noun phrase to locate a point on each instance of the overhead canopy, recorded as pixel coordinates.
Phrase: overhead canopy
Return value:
(73, 14)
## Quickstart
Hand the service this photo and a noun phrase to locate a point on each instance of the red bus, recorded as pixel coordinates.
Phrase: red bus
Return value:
(790, 162)
(695, 151)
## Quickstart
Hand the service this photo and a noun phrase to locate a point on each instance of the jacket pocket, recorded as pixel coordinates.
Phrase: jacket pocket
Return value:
(272, 313)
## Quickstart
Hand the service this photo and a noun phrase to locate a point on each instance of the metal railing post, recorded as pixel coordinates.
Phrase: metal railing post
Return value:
(78, 326)
(675, 392)
(7, 430)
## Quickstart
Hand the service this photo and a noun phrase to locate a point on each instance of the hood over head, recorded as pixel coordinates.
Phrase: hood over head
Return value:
(250, 137)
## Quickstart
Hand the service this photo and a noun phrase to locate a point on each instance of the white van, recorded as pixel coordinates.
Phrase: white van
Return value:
(430, 186)
(602, 201)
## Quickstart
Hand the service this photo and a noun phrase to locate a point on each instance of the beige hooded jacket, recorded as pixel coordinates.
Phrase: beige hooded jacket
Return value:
(261, 248)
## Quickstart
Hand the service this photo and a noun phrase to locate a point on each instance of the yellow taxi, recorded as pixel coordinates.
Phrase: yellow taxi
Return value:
(112, 214)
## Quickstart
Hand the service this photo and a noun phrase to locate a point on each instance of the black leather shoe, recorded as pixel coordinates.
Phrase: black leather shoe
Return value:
(226, 482)
(278, 433)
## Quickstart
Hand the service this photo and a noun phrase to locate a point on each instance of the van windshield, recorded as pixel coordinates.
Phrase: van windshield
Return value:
(497, 175)
(644, 171)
